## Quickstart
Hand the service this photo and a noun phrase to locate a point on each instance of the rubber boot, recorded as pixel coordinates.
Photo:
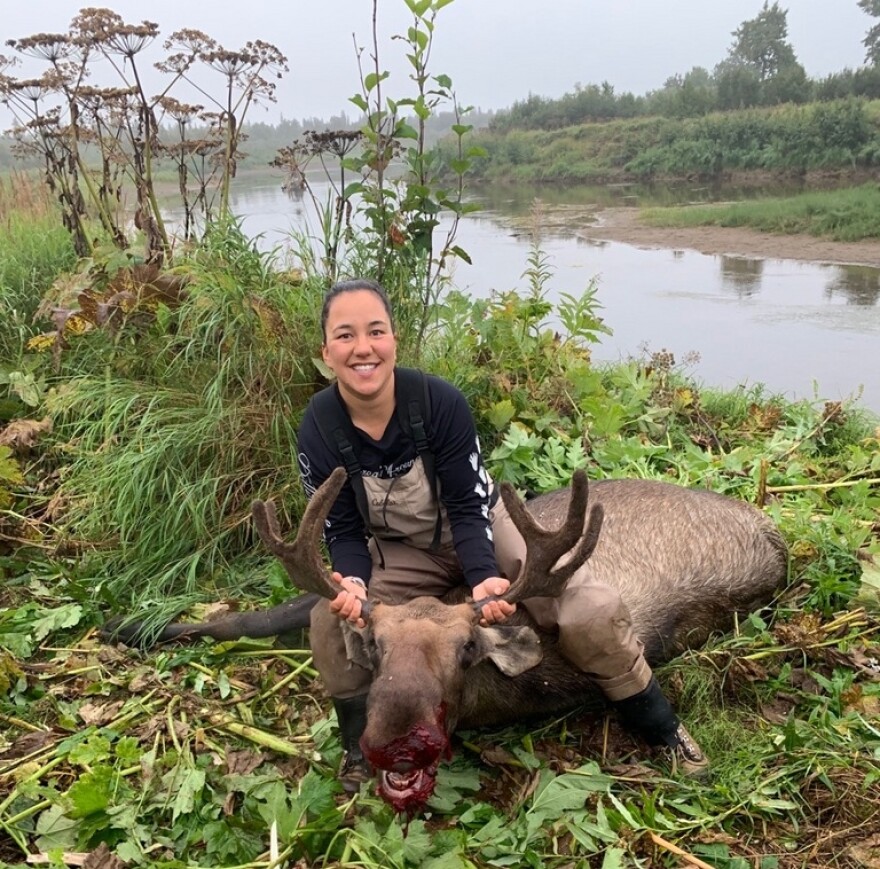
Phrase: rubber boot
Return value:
(650, 716)
(351, 713)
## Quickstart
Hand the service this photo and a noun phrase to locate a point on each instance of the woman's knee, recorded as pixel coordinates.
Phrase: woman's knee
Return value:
(597, 605)
(595, 630)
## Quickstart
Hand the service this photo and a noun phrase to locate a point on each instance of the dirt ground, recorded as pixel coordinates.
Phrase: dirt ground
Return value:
(623, 225)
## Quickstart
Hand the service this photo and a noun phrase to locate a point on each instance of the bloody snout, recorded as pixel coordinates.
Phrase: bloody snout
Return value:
(421, 747)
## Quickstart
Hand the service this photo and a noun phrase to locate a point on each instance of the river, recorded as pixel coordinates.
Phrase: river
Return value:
(804, 330)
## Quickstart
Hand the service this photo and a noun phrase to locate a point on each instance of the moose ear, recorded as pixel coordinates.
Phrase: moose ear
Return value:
(512, 649)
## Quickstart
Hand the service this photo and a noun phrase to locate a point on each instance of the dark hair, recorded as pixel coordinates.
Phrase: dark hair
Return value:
(351, 286)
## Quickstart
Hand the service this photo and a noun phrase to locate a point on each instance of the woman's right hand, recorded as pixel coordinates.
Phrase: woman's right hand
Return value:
(347, 604)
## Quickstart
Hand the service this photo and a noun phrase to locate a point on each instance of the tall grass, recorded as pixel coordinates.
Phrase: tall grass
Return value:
(851, 214)
(34, 249)
(176, 427)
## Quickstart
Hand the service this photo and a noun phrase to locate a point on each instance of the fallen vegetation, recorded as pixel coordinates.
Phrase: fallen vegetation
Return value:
(142, 410)
(206, 756)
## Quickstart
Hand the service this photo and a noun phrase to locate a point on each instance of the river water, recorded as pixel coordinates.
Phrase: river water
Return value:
(804, 330)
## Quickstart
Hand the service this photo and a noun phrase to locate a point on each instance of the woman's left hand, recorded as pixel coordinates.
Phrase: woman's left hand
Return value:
(496, 610)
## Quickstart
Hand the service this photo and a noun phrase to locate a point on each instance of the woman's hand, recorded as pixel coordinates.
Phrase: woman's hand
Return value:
(347, 604)
(496, 610)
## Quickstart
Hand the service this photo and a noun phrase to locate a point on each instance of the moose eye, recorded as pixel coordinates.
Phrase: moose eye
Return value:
(468, 653)
(372, 647)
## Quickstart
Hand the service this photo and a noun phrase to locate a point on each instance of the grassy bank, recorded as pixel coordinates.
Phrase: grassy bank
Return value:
(790, 140)
(850, 214)
(170, 418)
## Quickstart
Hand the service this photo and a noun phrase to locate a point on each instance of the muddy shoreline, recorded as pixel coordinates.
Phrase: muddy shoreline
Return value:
(623, 225)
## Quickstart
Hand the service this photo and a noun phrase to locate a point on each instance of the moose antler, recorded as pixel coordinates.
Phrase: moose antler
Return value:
(302, 559)
(544, 547)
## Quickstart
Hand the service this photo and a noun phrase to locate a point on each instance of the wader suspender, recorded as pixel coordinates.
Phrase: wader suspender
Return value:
(339, 434)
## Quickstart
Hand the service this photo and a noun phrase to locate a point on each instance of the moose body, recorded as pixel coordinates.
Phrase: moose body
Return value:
(684, 561)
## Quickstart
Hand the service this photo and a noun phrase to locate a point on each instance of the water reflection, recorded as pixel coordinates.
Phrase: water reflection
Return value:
(742, 275)
(859, 285)
(518, 198)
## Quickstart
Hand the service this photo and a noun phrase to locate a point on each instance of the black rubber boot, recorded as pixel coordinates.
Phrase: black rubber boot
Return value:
(351, 713)
(650, 716)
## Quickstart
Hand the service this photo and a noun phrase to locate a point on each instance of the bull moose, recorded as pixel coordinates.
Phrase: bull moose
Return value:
(685, 561)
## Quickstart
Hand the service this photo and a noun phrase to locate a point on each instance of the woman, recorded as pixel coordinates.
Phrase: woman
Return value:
(394, 521)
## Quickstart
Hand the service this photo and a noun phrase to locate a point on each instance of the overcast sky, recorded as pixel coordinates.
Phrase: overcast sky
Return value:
(495, 51)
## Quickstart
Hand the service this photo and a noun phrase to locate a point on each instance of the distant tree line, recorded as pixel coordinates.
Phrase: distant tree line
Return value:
(261, 141)
(761, 69)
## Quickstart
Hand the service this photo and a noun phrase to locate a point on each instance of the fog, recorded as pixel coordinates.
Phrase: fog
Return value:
(495, 51)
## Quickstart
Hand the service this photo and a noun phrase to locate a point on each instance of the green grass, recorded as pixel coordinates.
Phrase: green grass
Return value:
(851, 214)
(34, 249)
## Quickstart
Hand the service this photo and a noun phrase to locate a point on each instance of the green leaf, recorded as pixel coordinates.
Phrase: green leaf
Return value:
(418, 7)
(613, 859)
(189, 783)
(360, 102)
(91, 793)
(405, 131)
(461, 253)
(18, 644)
(90, 751)
(625, 813)
(10, 472)
(448, 860)
(450, 784)
(372, 79)
(774, 804)
(418, 38)
(25, 387)
(316, 795)
(558, 795)
(501, 413)
(416, 843)
(57, 619)
(127, 749)
(869, 592)
(443, 80)
(56, 830)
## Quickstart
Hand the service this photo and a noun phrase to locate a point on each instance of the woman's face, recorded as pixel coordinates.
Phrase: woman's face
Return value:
(359, 345)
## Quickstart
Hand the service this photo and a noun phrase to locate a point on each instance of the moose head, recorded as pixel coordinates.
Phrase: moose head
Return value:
(429, 656)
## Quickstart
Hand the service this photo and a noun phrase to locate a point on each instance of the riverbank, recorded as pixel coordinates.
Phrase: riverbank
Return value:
(623, 224)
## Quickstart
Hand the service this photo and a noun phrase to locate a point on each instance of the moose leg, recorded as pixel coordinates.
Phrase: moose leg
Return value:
(348, 684)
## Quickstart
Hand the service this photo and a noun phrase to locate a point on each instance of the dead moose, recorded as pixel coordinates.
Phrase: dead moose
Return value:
(685, 562)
